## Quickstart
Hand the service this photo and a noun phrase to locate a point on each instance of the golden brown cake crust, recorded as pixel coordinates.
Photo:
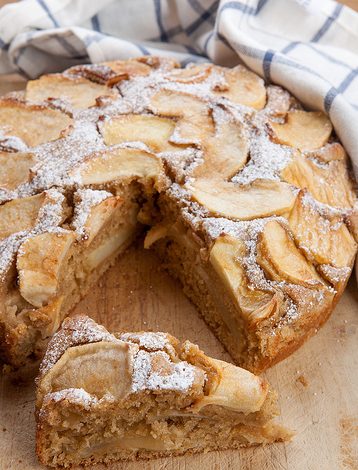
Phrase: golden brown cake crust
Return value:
(233, 171)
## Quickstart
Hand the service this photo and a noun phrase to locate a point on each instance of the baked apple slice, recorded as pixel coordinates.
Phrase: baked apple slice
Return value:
(329, 153)
(226, 257)
(104, 357)
(154, 131)
(20, 214)
(34, 124)
(303, 130)
(194, 122)
(279, 257)
(112, 165)
(243, 87)
(15, 168)
(154, 234)
(326, 240)
(78, 91)
(225, 153)
(105, 224)
(262, 198)
(279, 101)
(329, 183)
(191, 74)
(130, 68)
(112, 245)
(41, 261)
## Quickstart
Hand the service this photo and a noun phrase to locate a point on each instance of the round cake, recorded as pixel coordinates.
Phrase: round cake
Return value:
(245, 196)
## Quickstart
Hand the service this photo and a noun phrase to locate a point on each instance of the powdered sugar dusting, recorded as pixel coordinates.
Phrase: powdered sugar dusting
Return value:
(8, 249)
(11, 143)
(324, 209)
(267, 159)
(147, 340)
(334, 274)
(88, 199)
(278, 101)
(57, 159)
(182, 163)
(51, 214)
(180, 376)
(74, 395)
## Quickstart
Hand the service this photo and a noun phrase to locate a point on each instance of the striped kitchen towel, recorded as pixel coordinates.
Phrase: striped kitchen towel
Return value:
(308, 46)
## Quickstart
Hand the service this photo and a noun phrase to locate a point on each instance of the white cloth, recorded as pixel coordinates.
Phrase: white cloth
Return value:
(308, 46)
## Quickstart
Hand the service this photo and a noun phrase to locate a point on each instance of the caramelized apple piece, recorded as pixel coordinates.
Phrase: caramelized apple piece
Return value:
(15, 168)
(309, 301)
(176, 104)
(108, 166)
(113, 245)
(303, 130)
(97, 73)
(40, 262)
(83, 365)
(154, 234)
(225, 394)
(20, 214)
(225, 153)
(255, 304)
(164, 64)
(243, 87)
(329, 153)
(34, 124)
(128, 67)
(325, 240)
(194, 123)
(279, 257)
(260, 199)
(154, 131)
(79, 91)
(328, 183)
(193, 74)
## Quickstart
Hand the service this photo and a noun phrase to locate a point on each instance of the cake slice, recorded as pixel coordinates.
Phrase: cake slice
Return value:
(103, 397)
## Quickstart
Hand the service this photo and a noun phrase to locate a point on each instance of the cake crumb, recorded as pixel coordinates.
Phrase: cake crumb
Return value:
(302, 379)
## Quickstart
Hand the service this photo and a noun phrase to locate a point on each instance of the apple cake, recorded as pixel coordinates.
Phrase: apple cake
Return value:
(104, 397)
(246, 197)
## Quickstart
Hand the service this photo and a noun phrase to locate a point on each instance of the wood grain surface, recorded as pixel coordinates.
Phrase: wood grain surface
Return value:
(318, 385)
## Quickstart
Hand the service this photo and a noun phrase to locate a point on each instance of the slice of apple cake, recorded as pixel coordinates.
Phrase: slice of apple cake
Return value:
(248, 200)
(103, 397)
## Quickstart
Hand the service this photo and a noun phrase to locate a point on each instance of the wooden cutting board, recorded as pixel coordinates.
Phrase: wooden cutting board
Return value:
(318, 385)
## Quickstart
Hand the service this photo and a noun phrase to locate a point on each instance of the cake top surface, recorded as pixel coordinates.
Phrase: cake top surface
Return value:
(263, 183)
(154, 363)
(126, 364)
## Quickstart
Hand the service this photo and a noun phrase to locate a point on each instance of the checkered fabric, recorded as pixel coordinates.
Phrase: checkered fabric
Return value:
(308, 46)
